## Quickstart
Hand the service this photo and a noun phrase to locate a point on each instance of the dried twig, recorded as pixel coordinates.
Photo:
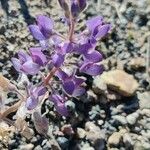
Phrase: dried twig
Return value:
(11, 109)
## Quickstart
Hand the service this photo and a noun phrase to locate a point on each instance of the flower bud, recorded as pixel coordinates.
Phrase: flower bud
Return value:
(63, 4)
(75, 10)
(82, 4)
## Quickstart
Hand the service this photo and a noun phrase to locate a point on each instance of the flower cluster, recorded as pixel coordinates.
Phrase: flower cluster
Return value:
(63, 58)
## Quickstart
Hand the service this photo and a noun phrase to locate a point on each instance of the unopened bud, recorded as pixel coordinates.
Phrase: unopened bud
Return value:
(82, 4)
(75, 10)
(63, 4)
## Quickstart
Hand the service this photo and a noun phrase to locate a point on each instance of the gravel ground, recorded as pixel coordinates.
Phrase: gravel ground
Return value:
(105, 118)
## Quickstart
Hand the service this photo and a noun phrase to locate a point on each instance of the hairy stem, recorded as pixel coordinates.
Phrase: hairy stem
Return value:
(72, 26)
(50, 75)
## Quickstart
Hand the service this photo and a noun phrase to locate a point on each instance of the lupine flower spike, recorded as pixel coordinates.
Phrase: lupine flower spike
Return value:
(56, 53)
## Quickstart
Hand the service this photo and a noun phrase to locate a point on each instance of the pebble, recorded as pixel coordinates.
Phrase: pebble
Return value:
(100, 122)
(137, 63)
(132, 118)
(38, 147)
(94, 134)
(67, 129)
(114, 139)
(26, 147)
(81, 133)
(120, 119)
(128, 141)
(63, 142)
(120, 81)
(145, 112)
(70, 105)
(144, 100)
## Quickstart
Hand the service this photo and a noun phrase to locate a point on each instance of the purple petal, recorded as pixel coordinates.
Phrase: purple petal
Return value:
(83, 49)
(93, 56)
(94, 22)
(23, 57)
(59, 104)
(57, 60)
(102, 31)
(36, 33)
(78, 80)
(93, 41)
(38, 56)
(44, 44)
(75, 10)
(69, 87)
(16, 64)
(61, 75)
(61, 109)
(41, 91)
(30, 68)
(82, 4)
(31, 103)
(67, 48)
(45, 24)
(91, 69)
(78, 92)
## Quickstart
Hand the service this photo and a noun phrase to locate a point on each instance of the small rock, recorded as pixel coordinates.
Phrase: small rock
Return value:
(63, 142)
(100, 122)
(67, 129)
(38, 147)
(120, 81)
(86, 146)
(141, 146)
(99, 86)
(137, 63)
(120, 119)
(145, 112)
(128, 141)
(144, 99)
(114, 139)
(70, 106)
(81, 133)
(132, 118)
(95, 135)
(26, 147)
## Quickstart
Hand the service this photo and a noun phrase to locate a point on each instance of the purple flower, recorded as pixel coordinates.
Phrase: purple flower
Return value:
(34, 94)
(91, 68)
(82, 4)
(93, 56)
(97, 27)
(77, 6)
(25, 64)
(75, 10)
(71, 84)
(43, 29)
(29, 64)
(90, 58)
(37, 56)
(59, 103)
(67, 47)
(57, 60)
(94, 22)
